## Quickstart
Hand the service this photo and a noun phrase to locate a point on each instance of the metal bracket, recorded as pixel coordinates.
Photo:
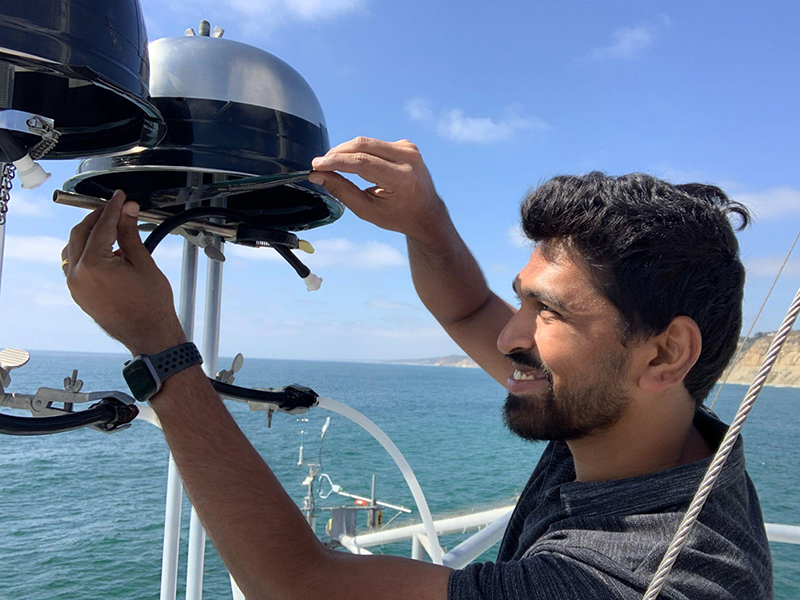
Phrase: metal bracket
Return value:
(228, 375)
(23, 122)
(205, 241)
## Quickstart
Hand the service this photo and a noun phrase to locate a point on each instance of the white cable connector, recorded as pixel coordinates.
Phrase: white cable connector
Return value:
(30, 173)
(312, 282)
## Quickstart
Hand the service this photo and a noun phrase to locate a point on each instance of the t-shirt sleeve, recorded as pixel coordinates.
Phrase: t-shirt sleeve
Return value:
(543, 576)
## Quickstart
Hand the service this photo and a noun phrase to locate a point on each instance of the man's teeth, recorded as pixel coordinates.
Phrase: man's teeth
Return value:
(520, 376)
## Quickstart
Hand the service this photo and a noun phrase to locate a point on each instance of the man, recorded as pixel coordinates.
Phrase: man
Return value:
(630, 308)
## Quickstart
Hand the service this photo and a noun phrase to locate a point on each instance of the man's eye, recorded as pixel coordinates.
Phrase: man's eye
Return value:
(545, 308)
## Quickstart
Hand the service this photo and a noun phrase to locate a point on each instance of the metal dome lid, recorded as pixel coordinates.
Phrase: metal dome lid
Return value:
(245, 113)
(252, 76)
(82, 64)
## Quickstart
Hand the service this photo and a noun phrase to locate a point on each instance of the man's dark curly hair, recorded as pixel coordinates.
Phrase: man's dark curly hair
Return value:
(656, 251)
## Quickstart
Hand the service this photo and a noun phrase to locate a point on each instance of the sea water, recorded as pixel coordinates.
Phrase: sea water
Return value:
(82, 513)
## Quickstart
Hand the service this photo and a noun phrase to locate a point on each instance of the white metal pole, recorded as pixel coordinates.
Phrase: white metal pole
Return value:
(237, 593)
(417, 552)
(211, 323)
(172, 513)
(471, 548)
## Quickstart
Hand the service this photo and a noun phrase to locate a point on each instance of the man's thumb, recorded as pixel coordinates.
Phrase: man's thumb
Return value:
(342, 189)
(128, 233)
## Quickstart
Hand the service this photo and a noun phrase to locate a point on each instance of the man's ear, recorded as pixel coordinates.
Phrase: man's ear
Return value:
(674, 351)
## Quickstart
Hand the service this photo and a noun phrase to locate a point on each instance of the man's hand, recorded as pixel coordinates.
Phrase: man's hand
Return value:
(403, 198)
(122, 290)
(446, 276)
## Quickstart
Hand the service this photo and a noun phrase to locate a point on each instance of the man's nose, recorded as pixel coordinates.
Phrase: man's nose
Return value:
(518, 334)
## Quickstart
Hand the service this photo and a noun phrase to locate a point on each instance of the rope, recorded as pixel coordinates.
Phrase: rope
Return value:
(722, 453)
(740, 351)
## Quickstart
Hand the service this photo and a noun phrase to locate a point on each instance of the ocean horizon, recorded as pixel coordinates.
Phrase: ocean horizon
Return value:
(84, 510)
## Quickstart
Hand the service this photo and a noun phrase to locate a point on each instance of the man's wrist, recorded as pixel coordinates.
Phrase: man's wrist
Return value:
(154, 346)
(435, 228)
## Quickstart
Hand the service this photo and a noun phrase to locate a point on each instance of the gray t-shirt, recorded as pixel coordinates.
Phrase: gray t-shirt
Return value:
(606, 539)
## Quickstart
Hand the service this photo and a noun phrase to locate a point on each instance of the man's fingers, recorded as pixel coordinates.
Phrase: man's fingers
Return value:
(128, 234)
(372, 168)
(343, 190)
(391, 151)
(104, 233)
(78, 236)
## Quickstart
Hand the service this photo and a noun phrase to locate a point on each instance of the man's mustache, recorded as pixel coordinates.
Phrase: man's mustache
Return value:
(529, 360)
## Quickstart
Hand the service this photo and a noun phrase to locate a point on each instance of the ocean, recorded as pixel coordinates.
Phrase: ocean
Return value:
(83, 512)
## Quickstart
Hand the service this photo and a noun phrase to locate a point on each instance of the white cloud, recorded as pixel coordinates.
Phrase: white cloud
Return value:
(50, 295)
(27, 204)
(35, 248)
(517, 238)
(344, 253)
(454, 124)
(626, 43)
(247, 253)
(768, 266)
(334, 252)
(419, 109)
(772, 203)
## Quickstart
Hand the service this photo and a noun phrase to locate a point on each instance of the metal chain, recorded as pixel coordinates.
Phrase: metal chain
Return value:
(50, 136)
(6, 177)
(48, 133)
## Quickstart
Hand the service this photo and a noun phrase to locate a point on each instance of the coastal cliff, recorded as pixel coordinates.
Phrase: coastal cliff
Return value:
(786, 371)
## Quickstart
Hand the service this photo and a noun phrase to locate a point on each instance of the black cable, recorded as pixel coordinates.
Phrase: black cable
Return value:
(280, 240)
(100, 414)
(298, 266)
(172, 223)
(288, 398)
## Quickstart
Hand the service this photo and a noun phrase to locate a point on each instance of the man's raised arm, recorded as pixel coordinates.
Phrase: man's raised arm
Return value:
(446, 276)
(257, 528)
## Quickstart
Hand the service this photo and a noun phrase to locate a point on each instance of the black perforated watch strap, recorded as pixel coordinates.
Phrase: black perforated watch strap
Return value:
(175, 359)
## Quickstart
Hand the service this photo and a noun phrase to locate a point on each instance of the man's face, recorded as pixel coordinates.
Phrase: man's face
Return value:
(570, 366)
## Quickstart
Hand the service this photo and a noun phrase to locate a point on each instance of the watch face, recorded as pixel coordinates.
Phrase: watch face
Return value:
(140, 379)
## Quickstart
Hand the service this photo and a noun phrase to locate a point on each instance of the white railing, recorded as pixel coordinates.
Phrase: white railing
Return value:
(786, 534)
(491, 525)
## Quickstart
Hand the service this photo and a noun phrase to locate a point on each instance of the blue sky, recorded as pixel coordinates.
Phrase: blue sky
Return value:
(499, 98)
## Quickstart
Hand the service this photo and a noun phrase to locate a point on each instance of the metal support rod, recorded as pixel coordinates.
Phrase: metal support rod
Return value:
(172, 518)
(2, 249)
(211, 324)
(148, 216)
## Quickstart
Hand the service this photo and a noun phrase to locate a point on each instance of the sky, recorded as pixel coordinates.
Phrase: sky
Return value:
(499, 98)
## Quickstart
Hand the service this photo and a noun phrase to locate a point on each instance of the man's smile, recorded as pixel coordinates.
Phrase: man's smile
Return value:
(525, 378)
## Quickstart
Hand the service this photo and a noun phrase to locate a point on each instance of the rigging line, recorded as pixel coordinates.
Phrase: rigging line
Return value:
(740, 351)
(725, 447)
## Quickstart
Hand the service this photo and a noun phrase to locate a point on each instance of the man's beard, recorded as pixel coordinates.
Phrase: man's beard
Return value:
(569, 413)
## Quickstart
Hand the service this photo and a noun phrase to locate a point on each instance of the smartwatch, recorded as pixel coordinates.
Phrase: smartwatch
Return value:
(145, 374)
